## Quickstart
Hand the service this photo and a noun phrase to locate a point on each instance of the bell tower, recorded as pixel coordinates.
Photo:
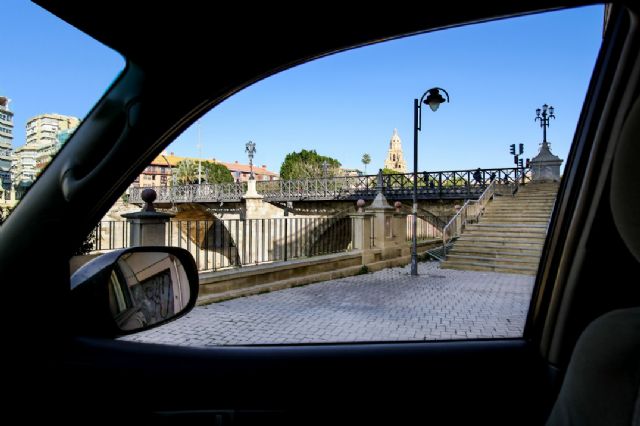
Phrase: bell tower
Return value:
(395, 160)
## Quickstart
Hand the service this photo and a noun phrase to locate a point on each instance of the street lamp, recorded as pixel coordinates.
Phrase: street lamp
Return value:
(250, 150)
(433, 99)
(544, 115)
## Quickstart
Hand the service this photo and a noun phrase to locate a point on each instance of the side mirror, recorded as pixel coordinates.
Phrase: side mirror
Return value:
(133, 289)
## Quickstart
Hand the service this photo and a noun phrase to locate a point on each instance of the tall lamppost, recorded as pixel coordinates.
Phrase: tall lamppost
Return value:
(250, 149)
(433, 99)
(544, 115)
(199, 146)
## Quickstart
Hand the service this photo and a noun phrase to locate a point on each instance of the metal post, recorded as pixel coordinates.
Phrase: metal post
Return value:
(414, 211)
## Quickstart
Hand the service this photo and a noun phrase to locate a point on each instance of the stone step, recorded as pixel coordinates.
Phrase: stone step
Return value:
(506, 227)
(484, 224)
(542, 223)
(517, 212)
(537, 236)
(547, 194)
(520, 207)
(489, 243)
(488, 267)
(500, 251)
(517, 216)
(530, 207)
(499, 261)
(528, 188)
(523, 248)
(514, 238)
(480, 239)
(521, 203)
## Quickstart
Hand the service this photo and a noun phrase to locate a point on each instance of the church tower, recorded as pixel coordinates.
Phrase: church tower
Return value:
(395, 160)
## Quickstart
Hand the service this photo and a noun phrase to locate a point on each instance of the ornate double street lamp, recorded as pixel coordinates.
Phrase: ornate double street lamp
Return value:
(250, 150)
(544, 115)
(433, 99)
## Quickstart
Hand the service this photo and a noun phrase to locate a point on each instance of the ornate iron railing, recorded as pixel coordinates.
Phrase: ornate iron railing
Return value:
(193, 193)
(456, 184)
(335, 188)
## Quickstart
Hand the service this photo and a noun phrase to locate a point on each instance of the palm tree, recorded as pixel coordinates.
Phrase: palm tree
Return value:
(366, 159)
(187, 172)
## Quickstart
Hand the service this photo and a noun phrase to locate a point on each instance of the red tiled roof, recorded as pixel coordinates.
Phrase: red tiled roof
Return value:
(173, 160)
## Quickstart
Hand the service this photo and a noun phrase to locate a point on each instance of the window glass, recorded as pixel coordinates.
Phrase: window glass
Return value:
(295, 196)
(52, 77)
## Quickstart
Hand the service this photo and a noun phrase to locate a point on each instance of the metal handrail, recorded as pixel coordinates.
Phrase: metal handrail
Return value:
(460, 219)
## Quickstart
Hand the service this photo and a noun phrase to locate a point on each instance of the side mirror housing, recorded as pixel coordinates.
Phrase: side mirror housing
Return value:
(133, 289)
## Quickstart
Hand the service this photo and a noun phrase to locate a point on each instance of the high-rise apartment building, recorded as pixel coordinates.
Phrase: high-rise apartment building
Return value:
(45, 133)
(44, 130)
(6, 139)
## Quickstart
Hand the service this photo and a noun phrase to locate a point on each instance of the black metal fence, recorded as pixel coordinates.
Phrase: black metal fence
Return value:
(110, 235)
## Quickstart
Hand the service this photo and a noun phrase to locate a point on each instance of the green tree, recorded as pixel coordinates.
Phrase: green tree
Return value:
(307, 164)
(187, 172)
(366, 159)
(215, 173)
(387, 171)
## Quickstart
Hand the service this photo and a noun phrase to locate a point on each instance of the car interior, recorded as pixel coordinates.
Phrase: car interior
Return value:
(578, 361)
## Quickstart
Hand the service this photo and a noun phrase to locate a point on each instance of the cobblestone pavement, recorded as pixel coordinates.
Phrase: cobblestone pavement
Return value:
(388, 305)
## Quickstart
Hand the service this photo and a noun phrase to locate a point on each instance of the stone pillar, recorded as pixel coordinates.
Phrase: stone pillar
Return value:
(253, 204)
(545, 166)
(400, 228)
(361, 230)
(147, 227)
(382, 221)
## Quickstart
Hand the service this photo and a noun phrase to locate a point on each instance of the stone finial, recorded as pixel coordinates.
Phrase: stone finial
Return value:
(398, 206)
(148, 195)
(360, 203)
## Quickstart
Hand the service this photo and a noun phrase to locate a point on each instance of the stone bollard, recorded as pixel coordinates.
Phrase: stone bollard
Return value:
(147, 227)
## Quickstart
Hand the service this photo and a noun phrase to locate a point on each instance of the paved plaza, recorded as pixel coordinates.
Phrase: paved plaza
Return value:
(389, 305)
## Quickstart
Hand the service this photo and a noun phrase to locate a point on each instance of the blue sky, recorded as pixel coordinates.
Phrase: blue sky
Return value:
(347, 104)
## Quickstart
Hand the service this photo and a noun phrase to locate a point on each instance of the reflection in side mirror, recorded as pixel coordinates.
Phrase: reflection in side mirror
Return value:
(147, 288)
(132, 289)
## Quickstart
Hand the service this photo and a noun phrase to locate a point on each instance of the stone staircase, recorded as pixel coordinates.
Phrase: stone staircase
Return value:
(509, 236)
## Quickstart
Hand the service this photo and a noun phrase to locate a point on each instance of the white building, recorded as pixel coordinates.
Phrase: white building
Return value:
(6, 139)
(43, 143)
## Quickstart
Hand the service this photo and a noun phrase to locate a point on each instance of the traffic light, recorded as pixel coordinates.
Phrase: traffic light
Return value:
(528, 164)
(515, 160)
(512, 149)
(521, 148)
(520, 163)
